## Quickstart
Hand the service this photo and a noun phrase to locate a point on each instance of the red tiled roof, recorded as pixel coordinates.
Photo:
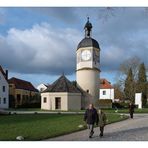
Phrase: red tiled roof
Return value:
(22, 84)
(3, 73)
(104, 84)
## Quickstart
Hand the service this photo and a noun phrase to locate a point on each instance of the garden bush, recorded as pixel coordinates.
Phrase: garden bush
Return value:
(121, 105)
(105, 103)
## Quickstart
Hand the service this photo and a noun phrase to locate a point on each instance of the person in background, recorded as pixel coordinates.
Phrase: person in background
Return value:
(91, 117)
(131, 109)
(102, 121)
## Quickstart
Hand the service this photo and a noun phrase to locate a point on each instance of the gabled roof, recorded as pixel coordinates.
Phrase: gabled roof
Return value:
(43, 85)
(62, 84)
(46, 85)
(22, 84)
(104, 84)
(3, 73)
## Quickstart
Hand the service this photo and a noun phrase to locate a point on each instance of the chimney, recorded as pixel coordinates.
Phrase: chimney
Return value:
(6, 73)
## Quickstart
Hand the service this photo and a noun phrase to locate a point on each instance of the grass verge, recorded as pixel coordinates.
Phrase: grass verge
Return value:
(144, 110)
(39, 127)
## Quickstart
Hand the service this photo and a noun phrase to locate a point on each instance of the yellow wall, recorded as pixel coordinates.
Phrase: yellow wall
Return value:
(12, 89)
(69, 101)
(50, 104)
(14, 92)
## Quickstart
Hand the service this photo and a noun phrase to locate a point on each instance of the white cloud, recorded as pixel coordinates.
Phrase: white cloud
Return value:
(41, 49)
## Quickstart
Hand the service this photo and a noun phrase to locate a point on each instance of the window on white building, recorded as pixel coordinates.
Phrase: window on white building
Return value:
(104, 92)
(44, 99)
(87, 91)
(41, 89)
(4, 88)
(4, 101)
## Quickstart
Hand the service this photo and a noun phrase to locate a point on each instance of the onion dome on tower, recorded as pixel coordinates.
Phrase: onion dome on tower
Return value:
(88, 41)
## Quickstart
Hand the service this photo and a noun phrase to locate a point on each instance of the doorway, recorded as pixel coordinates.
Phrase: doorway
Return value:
(58, 103)
(18, 99)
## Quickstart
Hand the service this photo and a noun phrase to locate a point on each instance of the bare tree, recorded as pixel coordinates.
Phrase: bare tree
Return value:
(132, 63)
(119, 94)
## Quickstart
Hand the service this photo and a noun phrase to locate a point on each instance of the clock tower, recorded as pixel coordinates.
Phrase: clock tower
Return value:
(87, 68)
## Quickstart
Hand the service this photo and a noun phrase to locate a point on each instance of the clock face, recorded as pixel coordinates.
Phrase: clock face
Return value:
(86, 55)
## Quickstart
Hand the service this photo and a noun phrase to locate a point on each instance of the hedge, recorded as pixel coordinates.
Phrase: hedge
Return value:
(121, 105)
(105, 103)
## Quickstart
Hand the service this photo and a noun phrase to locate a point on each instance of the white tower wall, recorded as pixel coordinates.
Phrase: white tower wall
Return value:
(88, 80)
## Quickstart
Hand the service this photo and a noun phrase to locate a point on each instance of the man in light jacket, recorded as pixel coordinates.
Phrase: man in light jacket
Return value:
(102, 121)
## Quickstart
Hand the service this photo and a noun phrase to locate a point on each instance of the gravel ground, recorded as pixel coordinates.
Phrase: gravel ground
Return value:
(128, 130)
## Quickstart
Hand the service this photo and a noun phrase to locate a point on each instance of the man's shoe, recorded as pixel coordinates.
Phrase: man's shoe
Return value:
(92, 132)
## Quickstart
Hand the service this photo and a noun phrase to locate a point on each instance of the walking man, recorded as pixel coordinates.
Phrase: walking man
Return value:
(102, 121)
(91, 117)
(131, 109)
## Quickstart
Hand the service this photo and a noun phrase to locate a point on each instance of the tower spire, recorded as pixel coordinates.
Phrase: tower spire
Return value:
(88, 28)
(88, 18)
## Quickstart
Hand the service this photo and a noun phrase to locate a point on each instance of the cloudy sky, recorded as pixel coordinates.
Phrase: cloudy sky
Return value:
(39, 44)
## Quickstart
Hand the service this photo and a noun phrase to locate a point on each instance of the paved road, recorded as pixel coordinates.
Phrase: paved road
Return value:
(128, 130)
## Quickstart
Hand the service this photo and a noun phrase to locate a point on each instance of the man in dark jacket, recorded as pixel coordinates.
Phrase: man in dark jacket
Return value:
(131, 109)
(91, 117)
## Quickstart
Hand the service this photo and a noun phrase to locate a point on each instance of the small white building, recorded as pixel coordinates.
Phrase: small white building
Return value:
(4, 89)
(61, 95)
(42, 87)
(138, 100)
(106, 90)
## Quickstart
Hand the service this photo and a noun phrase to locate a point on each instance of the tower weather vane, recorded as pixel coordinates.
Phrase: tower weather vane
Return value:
(88, 28)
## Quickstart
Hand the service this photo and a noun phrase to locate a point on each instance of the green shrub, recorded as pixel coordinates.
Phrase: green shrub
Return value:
(121, 105)
(30, 105)
(146, 106)
(105, 103)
